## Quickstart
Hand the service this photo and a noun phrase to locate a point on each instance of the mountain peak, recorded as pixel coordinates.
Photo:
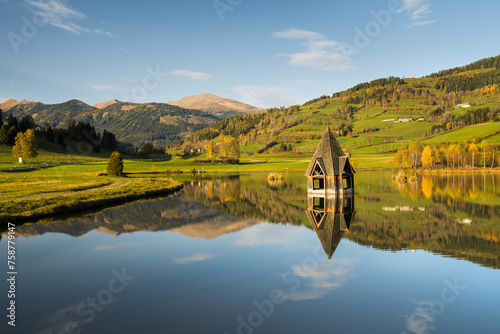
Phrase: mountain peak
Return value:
(215, 105)
(105, 104)
(12, 103)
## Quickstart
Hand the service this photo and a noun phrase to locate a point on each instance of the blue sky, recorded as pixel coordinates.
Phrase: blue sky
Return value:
(266, 53)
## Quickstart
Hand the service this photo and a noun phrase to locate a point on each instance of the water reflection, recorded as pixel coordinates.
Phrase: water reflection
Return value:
(456, 186)
(441, 214)
(330, 217)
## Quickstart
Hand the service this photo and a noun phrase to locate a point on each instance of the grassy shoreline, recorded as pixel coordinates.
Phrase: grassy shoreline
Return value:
(24, 209)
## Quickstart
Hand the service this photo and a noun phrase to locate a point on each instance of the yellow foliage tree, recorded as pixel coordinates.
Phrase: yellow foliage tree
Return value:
(230, 148)
(494, 89)
(473, 149)
(402, 158)
(210, 150)
(414, 151)
(452, 154)
(485, 148)
(25, 145)
(427, 157)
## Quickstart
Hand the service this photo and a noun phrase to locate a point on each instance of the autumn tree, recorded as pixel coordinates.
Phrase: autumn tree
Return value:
(210, 150)
(427, 157)
(230, 148)
(414, 151)
(402, 158)
(485, 148)
(25, 146)
(31, 146)
(452, 154)
(115, 164)
(18, 149)
(473, 149)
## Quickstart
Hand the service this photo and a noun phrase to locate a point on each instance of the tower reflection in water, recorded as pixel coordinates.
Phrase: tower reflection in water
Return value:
(331, 218)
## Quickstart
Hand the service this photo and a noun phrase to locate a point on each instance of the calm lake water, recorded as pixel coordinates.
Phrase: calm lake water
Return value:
(238, 254)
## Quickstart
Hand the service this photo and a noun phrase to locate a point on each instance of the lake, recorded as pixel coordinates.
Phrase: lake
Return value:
(240, 254)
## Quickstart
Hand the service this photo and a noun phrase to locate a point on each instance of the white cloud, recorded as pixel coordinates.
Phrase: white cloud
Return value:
(320, 279)
(418, 10)
(106, 87)
(320, 52)
(421, 320)
(194, 258)
(265, 234)
(298, 34)
(3, 99)
(192, 75)
(57, 14)
(265, 97)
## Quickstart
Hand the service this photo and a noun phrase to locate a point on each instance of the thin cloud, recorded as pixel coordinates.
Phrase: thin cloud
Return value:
(298, 34)
(194, 258)
(192, 75)
(418, 10)
(59, 15)
(320, 52)
(3, 99)
(422, 23)
(124, 50)
(265, 97)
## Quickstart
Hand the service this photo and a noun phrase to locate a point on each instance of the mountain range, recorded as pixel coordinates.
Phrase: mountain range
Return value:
(134, 123)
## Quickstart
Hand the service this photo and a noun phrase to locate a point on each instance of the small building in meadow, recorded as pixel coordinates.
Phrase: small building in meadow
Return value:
(405, 119)
(330, 172)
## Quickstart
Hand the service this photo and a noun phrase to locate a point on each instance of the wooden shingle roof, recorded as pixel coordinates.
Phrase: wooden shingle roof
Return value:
(329, 151)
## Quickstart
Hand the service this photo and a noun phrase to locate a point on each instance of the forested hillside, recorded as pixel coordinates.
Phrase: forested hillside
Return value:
(373, 119)
(135, 124)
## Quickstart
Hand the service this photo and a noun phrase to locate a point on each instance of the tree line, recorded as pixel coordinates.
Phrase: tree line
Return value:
(461, 154)
(22, 136)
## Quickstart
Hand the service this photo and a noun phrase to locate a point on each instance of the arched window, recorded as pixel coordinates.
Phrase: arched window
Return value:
(318, 176)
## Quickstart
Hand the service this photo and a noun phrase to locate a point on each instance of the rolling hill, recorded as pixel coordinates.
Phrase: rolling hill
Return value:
(443, 107)
(216, 105)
